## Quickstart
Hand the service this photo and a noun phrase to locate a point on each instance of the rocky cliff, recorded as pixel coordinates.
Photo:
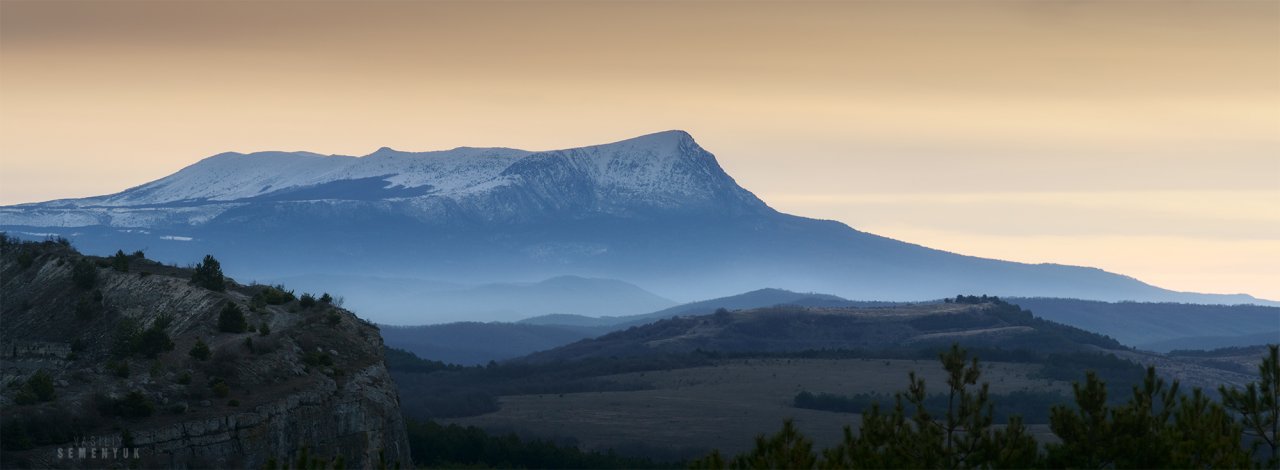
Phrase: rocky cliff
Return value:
(137, 364)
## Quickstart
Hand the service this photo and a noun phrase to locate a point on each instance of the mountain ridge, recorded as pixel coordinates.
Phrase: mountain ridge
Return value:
(657, 211)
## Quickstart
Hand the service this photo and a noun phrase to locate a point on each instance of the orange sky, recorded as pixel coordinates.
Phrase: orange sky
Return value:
(1139, 137)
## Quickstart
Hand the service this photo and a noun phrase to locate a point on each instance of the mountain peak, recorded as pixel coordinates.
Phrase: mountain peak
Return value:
(384, 151)
(665, 140)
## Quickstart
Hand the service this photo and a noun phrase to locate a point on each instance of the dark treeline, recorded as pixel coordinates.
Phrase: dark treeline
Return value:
(1157, 427)
(451, 446)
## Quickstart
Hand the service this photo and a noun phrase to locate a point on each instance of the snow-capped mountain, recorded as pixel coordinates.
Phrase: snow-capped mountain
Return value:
(666, 171)
(655, 210)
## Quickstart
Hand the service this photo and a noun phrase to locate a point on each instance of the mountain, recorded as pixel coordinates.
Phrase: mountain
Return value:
(408, 301)
(657, 211)
(104, 353)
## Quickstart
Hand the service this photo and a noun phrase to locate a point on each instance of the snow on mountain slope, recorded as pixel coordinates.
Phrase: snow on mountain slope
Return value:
(235, 176)
(667, 163)
(230, 176)
(666, 169)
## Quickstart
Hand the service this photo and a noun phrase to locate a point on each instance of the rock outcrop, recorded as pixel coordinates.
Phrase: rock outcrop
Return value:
(103, 354)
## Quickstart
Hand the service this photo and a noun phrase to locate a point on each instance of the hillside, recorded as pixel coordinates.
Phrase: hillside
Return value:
(981, 324)
(657, 211)
(754, 299)
(125, 352)
(1154, 326)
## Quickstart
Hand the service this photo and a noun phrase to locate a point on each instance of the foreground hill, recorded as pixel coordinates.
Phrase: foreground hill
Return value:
(124, 352)
(656, 210)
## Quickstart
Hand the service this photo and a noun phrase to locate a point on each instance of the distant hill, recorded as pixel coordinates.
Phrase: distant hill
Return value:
(790, 329)
(753, 299)
(472, 343)
(407, 301)
(1164, 326)
(1213, 342)
(1148, 325)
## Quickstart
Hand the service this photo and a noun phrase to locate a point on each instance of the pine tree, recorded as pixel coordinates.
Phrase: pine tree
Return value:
(208, 274)
(120, 261)
(200, 351)
(231, 319)
(786, 449)
(1258, 405)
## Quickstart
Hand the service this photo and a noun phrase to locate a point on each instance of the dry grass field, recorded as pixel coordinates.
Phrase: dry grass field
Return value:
(724, 406)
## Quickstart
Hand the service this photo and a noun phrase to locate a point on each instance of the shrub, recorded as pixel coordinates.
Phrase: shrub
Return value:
(119, 368)
(208, 274)
(307, 301)
(25, 259)
(25, 397)
(231, 320)
(120, 261)
(318, 359)
(220, 389)
(333, 319)
(86, 308)
(326, 298)
(131, 340)
(41, 385)
(264, 330)
(273, 295)
(139, 255)
(184, 379)
(84, 274)
(134, 405)
(248, 343)
(233, 402)
(225, 362)
(153, 341)
(200, 351)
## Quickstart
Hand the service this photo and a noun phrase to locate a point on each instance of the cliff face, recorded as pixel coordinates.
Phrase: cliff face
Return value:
(107, 353)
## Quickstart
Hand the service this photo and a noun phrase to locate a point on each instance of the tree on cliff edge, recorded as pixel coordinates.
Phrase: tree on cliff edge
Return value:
(209, 275)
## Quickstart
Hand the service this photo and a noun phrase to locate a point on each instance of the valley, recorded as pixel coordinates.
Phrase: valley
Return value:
(684, 413)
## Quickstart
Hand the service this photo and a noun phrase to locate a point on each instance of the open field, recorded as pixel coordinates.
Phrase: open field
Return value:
(687, 411)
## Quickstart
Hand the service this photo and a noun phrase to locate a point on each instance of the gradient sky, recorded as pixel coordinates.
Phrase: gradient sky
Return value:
(1141, 137)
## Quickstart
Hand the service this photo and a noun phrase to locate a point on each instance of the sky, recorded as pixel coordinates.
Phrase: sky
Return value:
(1140, 137)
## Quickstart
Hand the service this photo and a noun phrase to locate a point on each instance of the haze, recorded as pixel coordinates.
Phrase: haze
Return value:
(1139, 137)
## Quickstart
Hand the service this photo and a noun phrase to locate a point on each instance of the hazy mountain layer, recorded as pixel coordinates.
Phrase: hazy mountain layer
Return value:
(657, 211)
(401, 301)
